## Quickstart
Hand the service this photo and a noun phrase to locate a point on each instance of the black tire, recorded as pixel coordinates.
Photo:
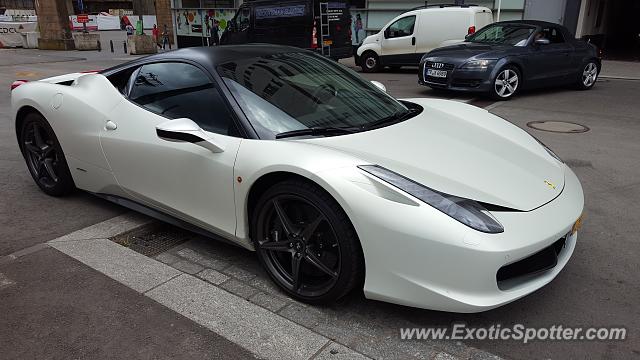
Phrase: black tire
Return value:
(588, 75)
(506, 74)
(370, 62)
(328, 237)
(44, 156)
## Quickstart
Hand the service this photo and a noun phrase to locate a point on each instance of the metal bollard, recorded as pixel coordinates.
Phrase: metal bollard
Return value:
(99, 46)
(111, 44)
(125, 46)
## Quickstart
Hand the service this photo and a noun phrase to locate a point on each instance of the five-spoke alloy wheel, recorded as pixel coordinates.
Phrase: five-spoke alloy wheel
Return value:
(588, 76)
(506, 83)
(306, 242)
(44, 157)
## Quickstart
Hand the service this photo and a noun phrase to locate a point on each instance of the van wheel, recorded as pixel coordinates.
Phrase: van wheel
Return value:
(370, 62)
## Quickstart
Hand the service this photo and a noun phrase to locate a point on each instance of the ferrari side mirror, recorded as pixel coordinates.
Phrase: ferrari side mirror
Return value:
(186, 130)
(542, 41)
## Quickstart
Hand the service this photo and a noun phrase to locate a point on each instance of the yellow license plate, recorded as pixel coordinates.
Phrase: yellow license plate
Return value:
(577, 225)
(328, 42)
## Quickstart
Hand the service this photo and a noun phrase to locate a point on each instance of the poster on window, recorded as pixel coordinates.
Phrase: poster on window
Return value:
(188, 22)
(202, 22)
(358, 33)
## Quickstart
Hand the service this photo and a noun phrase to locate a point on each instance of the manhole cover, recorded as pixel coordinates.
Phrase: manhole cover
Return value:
(153, 239)
(558, 126)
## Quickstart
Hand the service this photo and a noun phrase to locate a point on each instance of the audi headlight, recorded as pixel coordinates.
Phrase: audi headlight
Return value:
(478, 64)
(466, 211)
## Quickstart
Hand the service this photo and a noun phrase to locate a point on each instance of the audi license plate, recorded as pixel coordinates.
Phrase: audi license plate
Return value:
(437, 73)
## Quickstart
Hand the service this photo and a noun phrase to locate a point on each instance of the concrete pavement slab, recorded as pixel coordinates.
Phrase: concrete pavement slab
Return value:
(117, 262)
(334, 351)
(58, 308)
(108, 228)
(254, 328)
(187, 267)
(213, 276)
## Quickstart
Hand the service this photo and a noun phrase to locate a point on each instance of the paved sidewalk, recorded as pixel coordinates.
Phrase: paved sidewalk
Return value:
(74, 312)
(621, 69)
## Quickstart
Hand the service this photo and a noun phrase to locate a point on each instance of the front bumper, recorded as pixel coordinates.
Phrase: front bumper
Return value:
(420, 257)
(457, 79)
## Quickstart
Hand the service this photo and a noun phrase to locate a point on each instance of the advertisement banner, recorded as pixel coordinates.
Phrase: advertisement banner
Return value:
(202, 22)
(10, 32)
(108, 22)
(148, 20)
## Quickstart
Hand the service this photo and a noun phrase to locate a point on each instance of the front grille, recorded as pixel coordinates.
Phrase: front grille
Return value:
(437, 80)
(539, 262)
(429, 64)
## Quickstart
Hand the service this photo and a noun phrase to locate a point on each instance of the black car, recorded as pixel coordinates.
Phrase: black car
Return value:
(315, 25)
(505, 57)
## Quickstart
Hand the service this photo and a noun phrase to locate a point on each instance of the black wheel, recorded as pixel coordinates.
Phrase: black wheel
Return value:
(587, 76)
(507, 83)
(44, 156)
(369, 62)
(306, 242)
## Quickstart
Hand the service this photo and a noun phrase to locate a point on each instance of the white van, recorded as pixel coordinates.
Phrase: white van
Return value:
(410, 35)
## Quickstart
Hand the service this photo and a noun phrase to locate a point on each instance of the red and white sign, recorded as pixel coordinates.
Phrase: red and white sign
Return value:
(83, 18)
(91, 21)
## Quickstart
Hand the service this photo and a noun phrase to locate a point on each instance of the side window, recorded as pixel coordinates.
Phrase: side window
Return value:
(401, 27)
(178, 90)
(244, 19)
(552, 34)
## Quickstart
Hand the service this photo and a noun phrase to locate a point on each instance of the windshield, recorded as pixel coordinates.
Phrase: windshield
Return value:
(506, 34)
(299, 90)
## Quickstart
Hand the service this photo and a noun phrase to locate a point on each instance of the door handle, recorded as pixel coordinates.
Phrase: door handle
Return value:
(110, 125)
(413, 40)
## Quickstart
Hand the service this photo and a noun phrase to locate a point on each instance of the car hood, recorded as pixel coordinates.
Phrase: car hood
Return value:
(461, 52)
(461, 150)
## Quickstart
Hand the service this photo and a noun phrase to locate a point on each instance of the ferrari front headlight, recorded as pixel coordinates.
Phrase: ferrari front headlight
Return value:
(466, 211)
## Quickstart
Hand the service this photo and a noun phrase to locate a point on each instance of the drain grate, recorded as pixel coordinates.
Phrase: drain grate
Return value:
(153, 239)
(558, 126)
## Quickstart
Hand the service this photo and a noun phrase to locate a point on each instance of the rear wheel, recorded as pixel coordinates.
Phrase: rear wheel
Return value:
(370, 62)
(506, 83)
(306, 242)
(588, 76)
(44, 157)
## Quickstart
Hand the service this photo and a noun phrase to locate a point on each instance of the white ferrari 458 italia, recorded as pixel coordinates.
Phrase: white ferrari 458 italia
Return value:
(336, 185)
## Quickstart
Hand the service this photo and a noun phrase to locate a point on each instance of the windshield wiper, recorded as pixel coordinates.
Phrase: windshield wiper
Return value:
(397, 117)
(315, 131)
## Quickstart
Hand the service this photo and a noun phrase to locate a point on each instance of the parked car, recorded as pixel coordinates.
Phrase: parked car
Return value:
(506, 57)
(406, 38)
(306, 24)
(283, 151)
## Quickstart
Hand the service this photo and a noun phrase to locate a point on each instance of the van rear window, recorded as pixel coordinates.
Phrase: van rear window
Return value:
(273, 12)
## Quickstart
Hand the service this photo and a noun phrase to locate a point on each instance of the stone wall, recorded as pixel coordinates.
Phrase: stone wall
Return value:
(53, 23)
(163, 17)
